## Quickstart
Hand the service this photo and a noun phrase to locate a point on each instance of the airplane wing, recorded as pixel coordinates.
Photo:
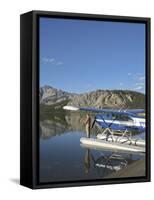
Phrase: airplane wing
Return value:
(116, 111)
(135, 111)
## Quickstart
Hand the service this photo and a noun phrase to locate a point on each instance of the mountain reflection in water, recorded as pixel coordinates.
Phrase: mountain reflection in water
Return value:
(63, 159)
(62, 124)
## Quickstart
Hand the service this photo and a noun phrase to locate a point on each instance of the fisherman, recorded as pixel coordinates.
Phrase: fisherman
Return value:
(88, 125)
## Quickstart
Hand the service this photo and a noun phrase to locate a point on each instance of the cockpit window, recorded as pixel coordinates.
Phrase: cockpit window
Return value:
(123, 118)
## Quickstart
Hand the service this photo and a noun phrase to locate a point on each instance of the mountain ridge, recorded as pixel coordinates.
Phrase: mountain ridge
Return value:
(99, 98)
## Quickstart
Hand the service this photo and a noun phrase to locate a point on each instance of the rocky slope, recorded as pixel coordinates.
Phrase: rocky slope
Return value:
(51, 96)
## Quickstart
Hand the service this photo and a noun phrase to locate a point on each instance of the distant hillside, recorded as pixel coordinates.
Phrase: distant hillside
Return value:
(99, 98)
(51, 96)
(110, 99)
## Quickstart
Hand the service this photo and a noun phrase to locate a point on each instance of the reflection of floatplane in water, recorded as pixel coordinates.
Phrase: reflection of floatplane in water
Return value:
(117, 125)
(106, 163)
(113, 162)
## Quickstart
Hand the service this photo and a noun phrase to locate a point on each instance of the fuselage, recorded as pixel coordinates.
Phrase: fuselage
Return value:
(130, 122)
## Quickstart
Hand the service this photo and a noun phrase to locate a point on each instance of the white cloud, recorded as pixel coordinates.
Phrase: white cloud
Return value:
(137, 76)
(48, 60)
(141, 78)
(59, 63)
(52, 61)
(137, 81)
(139, 88)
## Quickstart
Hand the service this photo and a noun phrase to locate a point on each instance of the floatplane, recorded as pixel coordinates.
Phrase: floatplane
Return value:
(117, 126)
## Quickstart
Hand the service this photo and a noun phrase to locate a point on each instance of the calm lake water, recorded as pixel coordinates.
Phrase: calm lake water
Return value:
(62, 158)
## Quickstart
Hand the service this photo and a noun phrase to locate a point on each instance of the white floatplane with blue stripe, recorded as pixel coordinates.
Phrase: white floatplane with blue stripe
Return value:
(113, 122)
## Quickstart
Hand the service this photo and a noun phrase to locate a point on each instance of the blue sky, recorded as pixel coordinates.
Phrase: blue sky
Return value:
(82, 56)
